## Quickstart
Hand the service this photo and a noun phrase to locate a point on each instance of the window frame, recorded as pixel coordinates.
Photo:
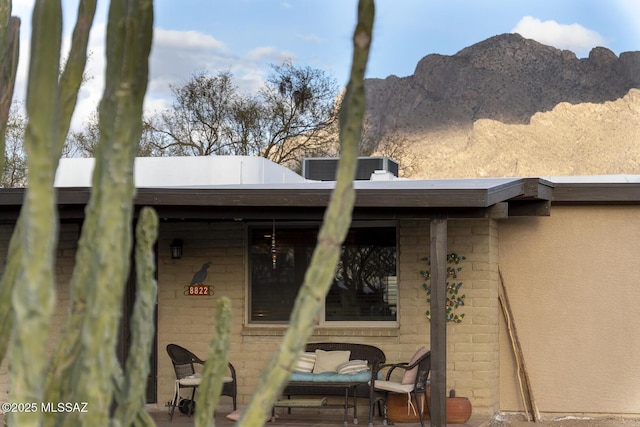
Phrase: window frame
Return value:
(321, 321)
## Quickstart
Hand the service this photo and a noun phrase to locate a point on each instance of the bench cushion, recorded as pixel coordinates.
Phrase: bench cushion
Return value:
(330, 377)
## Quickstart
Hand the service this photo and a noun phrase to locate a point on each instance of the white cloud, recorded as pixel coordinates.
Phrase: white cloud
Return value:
(312, 38)
(156, 104)
(269, 54)
(177, 55)
(22, 8)
(192, 40)
(573, 37)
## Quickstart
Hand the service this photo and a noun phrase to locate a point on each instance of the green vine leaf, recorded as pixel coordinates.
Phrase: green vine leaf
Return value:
(453, 300)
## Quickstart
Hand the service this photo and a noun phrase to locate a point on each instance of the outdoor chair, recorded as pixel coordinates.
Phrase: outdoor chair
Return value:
(184, 363)
(413, 382)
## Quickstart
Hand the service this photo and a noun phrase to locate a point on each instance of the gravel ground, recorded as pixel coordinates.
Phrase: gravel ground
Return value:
(564, 421)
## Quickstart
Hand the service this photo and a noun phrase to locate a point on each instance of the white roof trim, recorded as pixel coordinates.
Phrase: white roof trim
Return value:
(168, 172)
(594, 179)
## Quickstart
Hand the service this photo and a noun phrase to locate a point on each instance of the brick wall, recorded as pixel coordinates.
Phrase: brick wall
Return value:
(5, 236)
(190, 321)
(472, 353)
(65, 254)
(473, 344)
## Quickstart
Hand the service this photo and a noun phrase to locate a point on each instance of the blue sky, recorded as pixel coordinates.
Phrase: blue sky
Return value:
(245, 36)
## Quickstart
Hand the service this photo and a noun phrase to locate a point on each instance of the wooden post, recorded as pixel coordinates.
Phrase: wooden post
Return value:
(438, 255)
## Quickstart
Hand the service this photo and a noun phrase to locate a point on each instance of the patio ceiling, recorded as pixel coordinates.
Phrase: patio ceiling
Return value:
(395, 199)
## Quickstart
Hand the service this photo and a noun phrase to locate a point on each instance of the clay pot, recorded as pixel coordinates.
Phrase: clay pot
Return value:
(398, 410)
(458, 409)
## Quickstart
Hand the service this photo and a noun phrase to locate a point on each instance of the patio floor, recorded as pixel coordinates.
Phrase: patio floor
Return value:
(299, 420)
(289, 420)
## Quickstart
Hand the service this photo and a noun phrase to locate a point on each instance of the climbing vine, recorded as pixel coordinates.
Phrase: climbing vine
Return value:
(454, 300)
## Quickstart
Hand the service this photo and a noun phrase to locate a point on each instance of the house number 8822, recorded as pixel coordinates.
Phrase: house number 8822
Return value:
(198, 290)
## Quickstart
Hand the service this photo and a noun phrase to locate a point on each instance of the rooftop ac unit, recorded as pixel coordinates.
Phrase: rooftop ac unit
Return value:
(324, 168)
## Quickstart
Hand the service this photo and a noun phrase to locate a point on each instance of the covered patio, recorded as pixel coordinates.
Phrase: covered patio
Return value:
(185, 205)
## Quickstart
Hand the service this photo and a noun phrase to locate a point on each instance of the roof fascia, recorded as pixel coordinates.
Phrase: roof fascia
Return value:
(597, 193)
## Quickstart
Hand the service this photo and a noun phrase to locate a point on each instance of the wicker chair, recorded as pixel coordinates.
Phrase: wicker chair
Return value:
(413, 382)
(186, 377)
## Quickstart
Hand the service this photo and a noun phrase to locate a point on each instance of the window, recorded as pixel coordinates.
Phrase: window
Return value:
(364, 288)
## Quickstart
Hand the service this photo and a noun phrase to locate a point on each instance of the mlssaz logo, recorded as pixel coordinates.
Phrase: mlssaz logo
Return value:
(64, 407)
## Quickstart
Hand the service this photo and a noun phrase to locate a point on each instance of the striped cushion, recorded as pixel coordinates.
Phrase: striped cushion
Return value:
(305, 363)
(352, 367)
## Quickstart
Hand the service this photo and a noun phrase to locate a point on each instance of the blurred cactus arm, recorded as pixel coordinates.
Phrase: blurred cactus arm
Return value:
(334, 228)
(215, 367)
(9, 48)
(33, 300)
(105, 261)
(130, 396)
(73, 73)
(70, 82)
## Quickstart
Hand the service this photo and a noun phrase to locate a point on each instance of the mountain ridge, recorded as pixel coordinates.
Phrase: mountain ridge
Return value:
(446, 109)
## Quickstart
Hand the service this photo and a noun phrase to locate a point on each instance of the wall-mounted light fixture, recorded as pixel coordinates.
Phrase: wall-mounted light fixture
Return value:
(176, 249)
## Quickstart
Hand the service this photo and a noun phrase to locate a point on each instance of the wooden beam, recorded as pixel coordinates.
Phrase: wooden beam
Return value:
(438, 255)
(538, 188)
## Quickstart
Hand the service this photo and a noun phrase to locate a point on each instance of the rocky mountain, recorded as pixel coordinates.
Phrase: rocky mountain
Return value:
(512, 106)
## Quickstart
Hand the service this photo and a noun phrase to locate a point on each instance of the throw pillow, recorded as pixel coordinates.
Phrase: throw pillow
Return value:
(235, 415)
(410, 375)
(328, 361)
(353, 367)
(306, 362)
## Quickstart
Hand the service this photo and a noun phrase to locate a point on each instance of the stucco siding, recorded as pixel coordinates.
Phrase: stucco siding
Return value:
(572, 280)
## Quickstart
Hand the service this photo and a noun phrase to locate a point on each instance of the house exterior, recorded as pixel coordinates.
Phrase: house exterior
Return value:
(566, 251)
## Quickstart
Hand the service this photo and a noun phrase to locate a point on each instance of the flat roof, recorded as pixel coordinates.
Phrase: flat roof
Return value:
(393, 199)
(231, 187)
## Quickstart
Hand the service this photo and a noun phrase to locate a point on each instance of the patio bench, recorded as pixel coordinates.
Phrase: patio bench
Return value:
(315, 375)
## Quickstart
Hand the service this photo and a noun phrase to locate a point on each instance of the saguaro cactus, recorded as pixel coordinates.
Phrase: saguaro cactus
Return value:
(335, 226)
(36, 234)
(69, 85)
(89, 356)
(84, 367)
(9, 46)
